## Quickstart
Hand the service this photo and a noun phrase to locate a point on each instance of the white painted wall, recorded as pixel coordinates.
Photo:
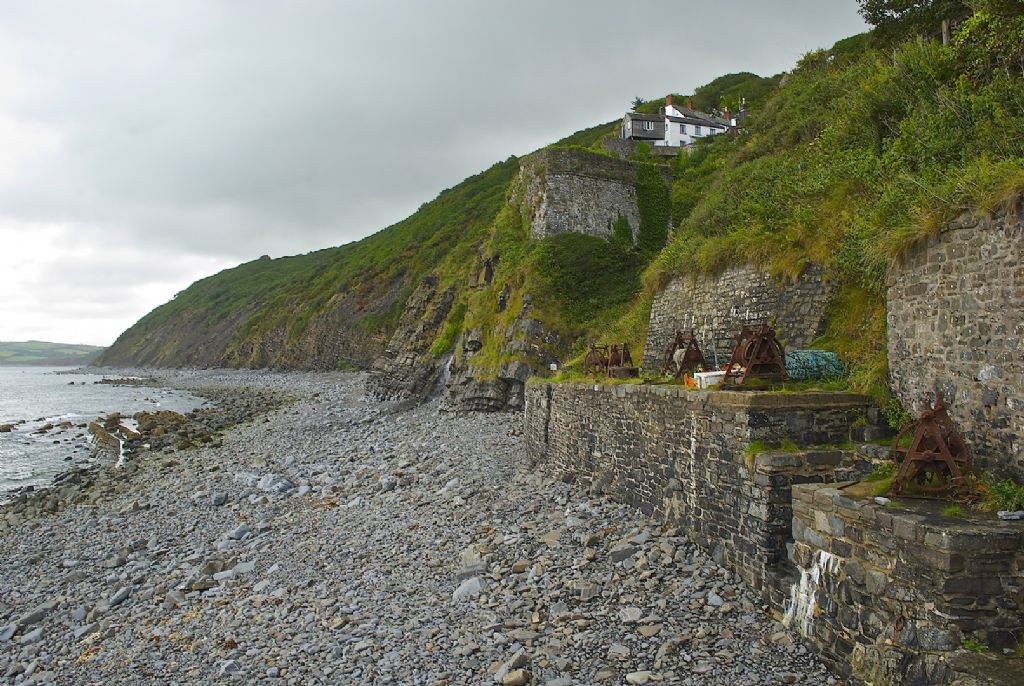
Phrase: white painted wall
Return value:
(676, 133)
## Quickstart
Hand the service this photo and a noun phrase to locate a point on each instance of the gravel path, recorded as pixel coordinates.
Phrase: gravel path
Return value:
(335, 541)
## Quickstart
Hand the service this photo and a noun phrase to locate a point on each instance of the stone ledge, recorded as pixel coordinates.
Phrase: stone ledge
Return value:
(892, 593)
(768, 400)
(754, 400)
(986, 670)
(915, 521)
(576, 162)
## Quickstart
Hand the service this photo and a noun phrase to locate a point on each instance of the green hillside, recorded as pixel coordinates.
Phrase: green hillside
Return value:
(859, 152)
(278, 312)
(864, 150)
(40, 353)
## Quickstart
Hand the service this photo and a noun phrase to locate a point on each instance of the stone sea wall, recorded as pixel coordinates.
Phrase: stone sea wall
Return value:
(681, 456)
(889, 595)
(956, 323)
(714, 307)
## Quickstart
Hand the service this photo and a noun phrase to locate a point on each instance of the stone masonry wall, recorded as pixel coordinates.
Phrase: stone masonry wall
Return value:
(679, 455)
(624, 148)
(956, 322)
(571, 190)
(889, 595)
(715, 307)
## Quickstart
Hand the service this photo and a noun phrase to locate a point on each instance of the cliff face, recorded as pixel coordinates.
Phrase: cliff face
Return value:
(332, 339)
(407, 369)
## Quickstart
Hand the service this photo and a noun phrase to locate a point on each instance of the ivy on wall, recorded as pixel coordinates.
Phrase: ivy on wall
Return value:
(654, 205)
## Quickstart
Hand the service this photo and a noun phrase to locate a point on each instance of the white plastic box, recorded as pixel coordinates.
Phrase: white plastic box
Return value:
(708, 379)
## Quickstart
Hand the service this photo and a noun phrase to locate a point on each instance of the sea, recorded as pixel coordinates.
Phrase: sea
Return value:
(67, 398)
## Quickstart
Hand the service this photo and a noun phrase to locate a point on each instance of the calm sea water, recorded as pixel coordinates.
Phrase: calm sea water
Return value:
(38, 396)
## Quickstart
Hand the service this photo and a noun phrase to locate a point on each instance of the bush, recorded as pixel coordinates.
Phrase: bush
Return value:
(1003, 494)
(882, 472)
(585, 275)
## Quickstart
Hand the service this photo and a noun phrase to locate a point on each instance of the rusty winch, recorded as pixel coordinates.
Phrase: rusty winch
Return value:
(758, 355)
(612, 360)
(936, 452)
(682, 355)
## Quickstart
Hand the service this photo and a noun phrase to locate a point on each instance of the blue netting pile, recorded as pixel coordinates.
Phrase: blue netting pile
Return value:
(813, 365)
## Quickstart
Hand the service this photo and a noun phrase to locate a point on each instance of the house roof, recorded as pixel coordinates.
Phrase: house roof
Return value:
(690, 114)
(645, 117)
(700, 121)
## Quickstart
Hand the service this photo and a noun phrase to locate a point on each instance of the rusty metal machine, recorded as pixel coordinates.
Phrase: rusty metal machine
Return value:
(757, 355)
(596, 360)
(612, 360)
(936, 452)
(620, 362)
(682, 355)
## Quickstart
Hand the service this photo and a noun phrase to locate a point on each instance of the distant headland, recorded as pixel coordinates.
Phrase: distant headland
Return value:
(44, 354)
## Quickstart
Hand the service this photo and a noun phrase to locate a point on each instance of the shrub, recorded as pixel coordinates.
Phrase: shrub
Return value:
(886, 470)
(1002, 494)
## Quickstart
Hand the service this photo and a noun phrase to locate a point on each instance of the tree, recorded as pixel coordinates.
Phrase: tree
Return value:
(1000, 8)
(898, 18)
(637, 101)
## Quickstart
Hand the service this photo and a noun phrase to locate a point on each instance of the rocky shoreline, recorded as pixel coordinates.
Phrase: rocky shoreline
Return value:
(327, 538)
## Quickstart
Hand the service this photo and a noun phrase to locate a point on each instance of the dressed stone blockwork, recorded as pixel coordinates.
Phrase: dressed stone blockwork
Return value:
(956, 323)
(714, 307)
(572, 190)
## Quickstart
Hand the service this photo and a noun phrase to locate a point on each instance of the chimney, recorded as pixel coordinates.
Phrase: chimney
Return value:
(668, 100)
(689, 103)
(727, 115)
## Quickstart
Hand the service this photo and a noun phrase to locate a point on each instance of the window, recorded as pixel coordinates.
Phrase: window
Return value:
(648, 126)
(682, 129)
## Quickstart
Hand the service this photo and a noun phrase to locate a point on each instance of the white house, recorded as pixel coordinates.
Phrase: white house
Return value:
(674, 125)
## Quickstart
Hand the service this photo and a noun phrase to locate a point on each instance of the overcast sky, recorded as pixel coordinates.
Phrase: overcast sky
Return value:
(144, 145)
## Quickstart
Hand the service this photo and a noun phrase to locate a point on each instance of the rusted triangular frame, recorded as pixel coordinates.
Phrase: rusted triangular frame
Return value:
(934, 423)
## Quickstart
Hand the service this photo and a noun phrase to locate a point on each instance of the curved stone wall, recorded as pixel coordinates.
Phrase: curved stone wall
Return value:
(956, 323)
(571, 190)
(715, 307)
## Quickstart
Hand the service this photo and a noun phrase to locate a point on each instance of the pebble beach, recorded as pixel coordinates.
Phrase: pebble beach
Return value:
(313, 536)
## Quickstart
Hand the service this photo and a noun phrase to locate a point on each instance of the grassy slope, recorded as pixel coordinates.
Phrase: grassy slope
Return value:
(270, 296)
(860, 153)
(42, 353)
(851, 158)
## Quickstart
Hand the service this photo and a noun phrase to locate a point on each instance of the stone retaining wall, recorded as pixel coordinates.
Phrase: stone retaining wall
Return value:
(715, 307)
(624, 148)
(889, 595)
(571, 190)
(680, 455)
(956, 323)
